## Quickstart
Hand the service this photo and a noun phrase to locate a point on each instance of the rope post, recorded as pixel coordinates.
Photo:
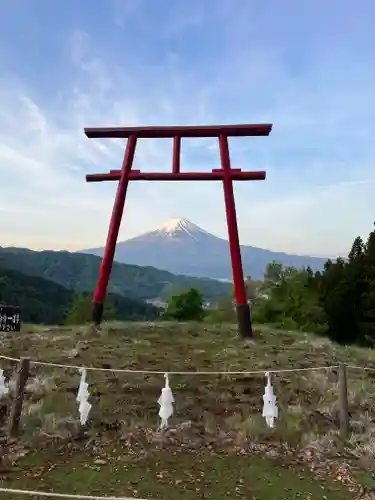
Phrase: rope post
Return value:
(22, 376)
(343, 401)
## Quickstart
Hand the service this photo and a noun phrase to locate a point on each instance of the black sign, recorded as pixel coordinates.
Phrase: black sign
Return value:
(10, 318)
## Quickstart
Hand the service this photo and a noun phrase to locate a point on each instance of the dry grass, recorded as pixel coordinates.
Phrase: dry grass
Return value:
(217, 415)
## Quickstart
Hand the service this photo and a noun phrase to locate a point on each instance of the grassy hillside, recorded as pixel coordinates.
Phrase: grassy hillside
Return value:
(79, 272)
(45, 302)
(217, 445)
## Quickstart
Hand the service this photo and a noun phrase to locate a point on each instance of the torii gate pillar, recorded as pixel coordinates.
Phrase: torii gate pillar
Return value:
(225, 174)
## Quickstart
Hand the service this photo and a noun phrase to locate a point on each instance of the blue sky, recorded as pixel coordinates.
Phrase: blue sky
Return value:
(307, 67)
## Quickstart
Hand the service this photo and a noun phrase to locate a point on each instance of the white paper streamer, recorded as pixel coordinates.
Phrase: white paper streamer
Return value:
(82, 398)
(270, 410)
(165, 401)
(4, 389)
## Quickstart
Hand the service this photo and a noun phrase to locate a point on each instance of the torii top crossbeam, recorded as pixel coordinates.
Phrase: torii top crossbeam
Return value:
(243, 130)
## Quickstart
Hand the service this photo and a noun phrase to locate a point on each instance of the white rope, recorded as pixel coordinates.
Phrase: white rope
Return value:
(158, 372)
(61, 495)
(10, 359)
(363, 368)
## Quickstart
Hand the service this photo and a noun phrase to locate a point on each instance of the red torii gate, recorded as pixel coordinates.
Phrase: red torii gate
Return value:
(225, 174)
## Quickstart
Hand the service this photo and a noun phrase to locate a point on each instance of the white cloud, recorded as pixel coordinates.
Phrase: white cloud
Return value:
(44, 154)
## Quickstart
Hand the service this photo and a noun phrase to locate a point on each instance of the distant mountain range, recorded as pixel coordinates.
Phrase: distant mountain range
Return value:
(181, 247)
(79, 272)
(46, 302)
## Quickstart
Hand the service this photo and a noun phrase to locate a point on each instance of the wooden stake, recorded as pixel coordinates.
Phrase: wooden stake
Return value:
(23, 375)
(344, 405)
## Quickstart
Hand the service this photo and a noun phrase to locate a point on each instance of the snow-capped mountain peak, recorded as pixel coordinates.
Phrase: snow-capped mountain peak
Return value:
(177, 226)
(181, 247)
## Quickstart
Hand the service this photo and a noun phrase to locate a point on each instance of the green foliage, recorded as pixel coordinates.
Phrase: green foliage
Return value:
(79, 272)
(348, 295)
(290, 300)
(80, 311)
(339, 301)
(186, 306)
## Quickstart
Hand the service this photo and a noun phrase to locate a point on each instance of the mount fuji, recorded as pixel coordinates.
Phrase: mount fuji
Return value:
(181, 247)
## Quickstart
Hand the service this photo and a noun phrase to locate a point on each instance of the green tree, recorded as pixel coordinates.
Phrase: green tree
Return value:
(336, 296)
(273, 277)
(291, 298)
(186, 306)
(367, 290)
(252, 290)
(357, 250)
(80, 312)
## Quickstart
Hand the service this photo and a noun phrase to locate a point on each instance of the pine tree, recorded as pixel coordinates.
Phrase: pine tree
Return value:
(348, 293)
(367, 319)
(336, 301)
(357, 249)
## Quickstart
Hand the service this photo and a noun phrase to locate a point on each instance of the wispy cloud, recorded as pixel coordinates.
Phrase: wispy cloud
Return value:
(203, 62)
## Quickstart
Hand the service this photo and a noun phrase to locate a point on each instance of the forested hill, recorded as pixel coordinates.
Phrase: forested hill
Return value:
(79, 272)
(41, 301)
(46, 302)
